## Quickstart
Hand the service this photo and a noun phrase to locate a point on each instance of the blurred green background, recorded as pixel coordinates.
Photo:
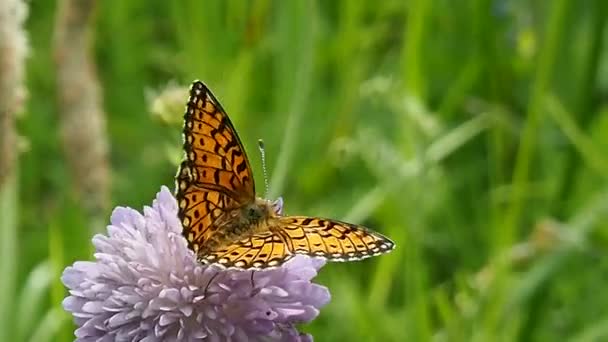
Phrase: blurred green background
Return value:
(473, 133)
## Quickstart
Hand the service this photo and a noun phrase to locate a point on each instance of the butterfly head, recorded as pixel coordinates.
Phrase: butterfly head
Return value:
(255, 212)
(262, 210)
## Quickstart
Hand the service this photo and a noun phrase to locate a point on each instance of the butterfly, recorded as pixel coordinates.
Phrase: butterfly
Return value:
(223, 220)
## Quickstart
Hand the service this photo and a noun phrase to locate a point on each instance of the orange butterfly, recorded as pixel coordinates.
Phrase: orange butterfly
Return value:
(223, 220)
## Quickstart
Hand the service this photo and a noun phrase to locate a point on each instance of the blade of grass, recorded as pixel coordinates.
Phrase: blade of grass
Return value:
(532, 289)
(460, 88)
(525, 155)
(389, 266)
(57, 262)
(31, 298)
(50, 326)
(597, 331)
(585, 99)
(302, 86)
(534, 114)
(440, 149)
(348, 50)
(415, 34)
(582, 144)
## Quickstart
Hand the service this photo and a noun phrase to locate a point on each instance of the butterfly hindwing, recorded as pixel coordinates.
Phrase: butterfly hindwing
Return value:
(258, 251)
(199, 209)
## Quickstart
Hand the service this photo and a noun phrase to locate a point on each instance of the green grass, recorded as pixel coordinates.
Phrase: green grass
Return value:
(473, 133)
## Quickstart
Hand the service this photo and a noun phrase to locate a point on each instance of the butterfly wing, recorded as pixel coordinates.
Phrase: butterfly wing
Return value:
(258, 251)
(330, 239)
(215, 175)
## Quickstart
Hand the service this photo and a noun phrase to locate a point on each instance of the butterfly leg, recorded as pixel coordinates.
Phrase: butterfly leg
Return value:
(209, 284)
(252, 283)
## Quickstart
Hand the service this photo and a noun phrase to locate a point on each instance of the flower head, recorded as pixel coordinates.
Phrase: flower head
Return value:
(146, 285)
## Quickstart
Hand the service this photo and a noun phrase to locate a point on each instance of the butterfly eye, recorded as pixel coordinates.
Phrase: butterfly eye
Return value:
(252, 212)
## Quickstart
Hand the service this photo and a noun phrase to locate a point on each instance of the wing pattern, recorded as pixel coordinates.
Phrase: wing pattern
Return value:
(258, 251)
(330, 239)
(215, 175)
(215, 179)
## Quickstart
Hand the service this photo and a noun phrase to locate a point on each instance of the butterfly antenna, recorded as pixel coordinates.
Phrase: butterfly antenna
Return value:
(263, 154)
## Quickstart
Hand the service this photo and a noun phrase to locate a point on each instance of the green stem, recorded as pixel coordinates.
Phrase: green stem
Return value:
(8, 253)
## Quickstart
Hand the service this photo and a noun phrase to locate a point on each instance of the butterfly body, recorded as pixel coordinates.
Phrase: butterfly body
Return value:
(241, 223)
(225, 223)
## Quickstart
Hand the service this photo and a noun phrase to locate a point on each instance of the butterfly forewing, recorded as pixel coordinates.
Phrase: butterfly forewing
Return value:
(213, 148)
(331, 239)
(215, 175)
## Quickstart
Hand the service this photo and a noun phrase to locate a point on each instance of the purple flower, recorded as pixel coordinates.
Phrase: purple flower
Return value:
(146, 285)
